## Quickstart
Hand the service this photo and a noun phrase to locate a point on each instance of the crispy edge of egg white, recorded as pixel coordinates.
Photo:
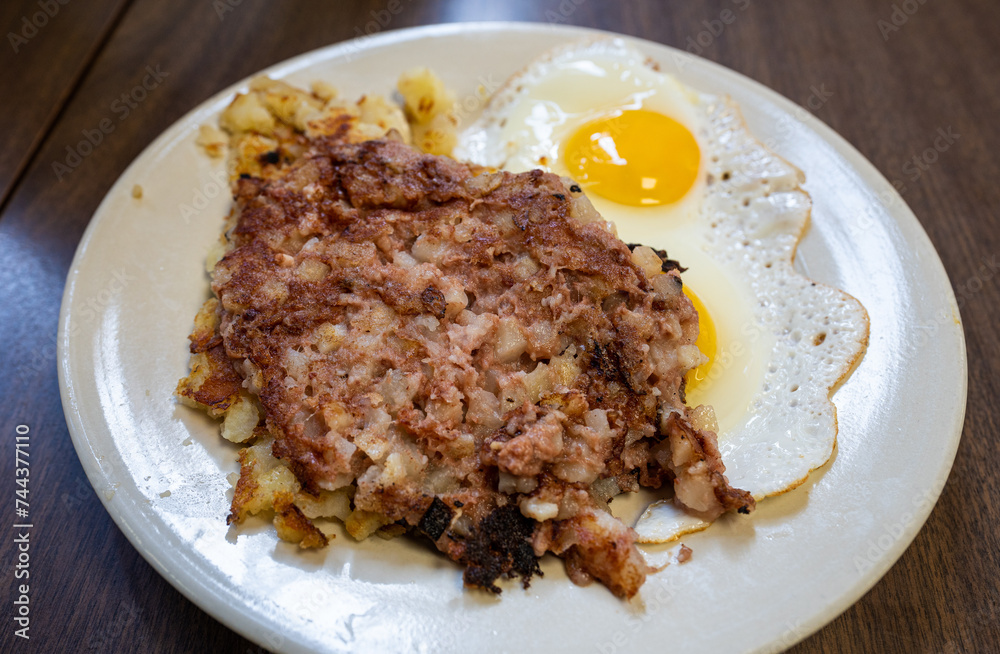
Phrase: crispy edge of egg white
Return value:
(663, 521)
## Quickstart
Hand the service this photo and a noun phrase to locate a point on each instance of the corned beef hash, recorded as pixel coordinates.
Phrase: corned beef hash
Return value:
(412, 344)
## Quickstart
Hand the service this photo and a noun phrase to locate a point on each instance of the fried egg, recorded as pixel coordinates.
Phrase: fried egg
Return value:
(677, 170)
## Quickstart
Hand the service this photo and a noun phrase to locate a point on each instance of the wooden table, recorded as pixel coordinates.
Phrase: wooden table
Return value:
(897, 72)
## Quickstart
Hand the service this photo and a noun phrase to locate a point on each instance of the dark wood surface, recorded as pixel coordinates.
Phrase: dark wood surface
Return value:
(51, 47)
(892, 89)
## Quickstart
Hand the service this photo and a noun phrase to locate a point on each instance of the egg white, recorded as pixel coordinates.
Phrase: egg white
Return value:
(784, 341)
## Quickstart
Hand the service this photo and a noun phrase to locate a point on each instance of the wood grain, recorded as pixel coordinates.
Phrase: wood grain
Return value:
(889, 92)
(38, 35)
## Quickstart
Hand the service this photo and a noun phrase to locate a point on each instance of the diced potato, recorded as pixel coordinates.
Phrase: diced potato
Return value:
(597, 419)
(430, 110)
(248, 151)
(376, 110)
(703, 417)
(329, 337)
(289, 104)
(207, 320)
(437, 136)
(279, 478)
(538, 382)
(293, 526)
(428, 249)
(511, 342)
(484, 409)
(336, 417)
(215, 254)
(393, 472)
(212, 139)
(324, 90)
(508, 483)
(330, 119)
(261, 477)
(424, 95)
(398, 388)
(583, 210)
(328, 504)
(447, 413)
(362, 524)
(538, 510)
(373, 440)
(246, 113)
(689, 356)
(275, 290)
(525, 267)
(455, 300)
(240, 421)
(313, 270)
(565, 367)
(646, 259)
(389, 532)
(513, 393)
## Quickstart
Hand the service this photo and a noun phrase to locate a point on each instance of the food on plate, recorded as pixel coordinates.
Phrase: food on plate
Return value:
(463, 348)
(678, 169)
(411, 343)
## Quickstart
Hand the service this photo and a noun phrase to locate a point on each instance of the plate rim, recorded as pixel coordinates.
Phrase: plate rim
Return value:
(210, 595)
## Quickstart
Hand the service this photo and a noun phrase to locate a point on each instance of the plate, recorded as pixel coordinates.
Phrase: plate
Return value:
(753, 585)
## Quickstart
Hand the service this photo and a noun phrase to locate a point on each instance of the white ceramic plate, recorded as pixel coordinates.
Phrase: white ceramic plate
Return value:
(759, 584)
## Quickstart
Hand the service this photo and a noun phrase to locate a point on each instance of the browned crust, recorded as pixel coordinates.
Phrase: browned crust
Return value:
(246, 489)
(501, 547)
(213, 383)
(706, 450)
(293, 526)
(357, 205)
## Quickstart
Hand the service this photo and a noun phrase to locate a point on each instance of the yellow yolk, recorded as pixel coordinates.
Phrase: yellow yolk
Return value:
(707, 342)
(636, 157)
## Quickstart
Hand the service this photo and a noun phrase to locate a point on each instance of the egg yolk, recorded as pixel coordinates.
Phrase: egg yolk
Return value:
(635, 157)
(707, 342)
